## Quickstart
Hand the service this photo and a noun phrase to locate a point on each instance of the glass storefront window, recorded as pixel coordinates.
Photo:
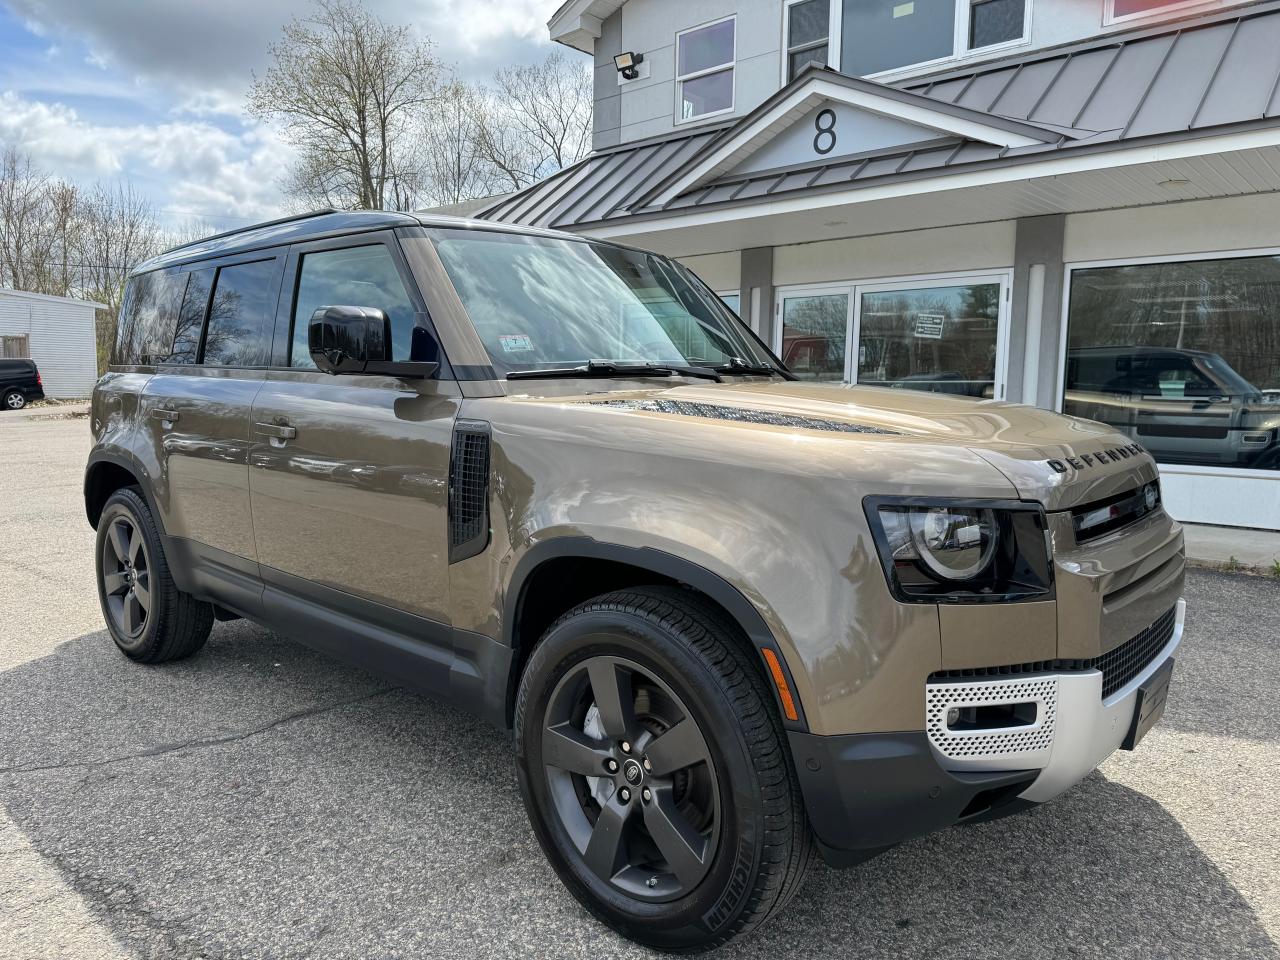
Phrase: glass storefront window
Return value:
(814, 330)
(939, 338)
(1182, 357)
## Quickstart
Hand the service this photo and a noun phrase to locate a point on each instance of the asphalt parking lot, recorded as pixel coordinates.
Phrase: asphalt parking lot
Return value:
(261, 801)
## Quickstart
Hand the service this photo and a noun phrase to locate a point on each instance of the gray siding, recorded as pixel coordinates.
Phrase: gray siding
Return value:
(646, 107)
(61, 337)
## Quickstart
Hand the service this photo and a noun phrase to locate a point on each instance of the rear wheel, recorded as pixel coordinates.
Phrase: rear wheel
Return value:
(149, 618)
(14, 400)
(655, 773)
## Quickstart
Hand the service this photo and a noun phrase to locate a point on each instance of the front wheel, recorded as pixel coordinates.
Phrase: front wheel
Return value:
(655, 771)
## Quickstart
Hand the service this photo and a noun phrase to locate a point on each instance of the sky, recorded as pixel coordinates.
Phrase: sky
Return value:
(152, 91)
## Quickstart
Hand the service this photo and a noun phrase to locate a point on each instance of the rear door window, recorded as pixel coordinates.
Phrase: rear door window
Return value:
(241, 315)
(186, 339)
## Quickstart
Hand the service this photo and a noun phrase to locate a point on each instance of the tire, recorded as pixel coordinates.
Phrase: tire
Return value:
(13, 400)
(149, 618)
(717, 845)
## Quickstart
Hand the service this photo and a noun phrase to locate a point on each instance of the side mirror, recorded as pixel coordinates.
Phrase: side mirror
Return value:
(344, 339)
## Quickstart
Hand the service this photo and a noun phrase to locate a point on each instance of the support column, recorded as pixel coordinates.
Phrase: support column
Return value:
(1035, 329)
(755, 287)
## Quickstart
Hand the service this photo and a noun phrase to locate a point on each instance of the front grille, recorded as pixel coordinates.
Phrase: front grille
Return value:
(713, 411)
(1130, 658)
(1118, 667)
(1094, 520)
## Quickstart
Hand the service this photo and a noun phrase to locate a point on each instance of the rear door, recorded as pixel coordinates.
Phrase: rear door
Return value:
(349, 476)
(197, 406)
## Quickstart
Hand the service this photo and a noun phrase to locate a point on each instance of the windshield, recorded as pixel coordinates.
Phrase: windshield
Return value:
(540, 302)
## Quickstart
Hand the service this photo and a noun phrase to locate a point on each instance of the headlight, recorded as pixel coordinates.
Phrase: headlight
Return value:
(955, 551)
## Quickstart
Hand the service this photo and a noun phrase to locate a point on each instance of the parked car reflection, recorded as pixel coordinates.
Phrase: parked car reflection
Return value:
(1185, 406)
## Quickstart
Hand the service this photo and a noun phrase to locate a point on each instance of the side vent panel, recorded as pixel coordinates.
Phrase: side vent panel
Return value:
(468, 490)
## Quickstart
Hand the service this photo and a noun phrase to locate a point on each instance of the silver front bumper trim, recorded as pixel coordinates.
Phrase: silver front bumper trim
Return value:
(1074, 732)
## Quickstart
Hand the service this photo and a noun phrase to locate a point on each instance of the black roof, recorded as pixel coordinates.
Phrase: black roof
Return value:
(315, 225)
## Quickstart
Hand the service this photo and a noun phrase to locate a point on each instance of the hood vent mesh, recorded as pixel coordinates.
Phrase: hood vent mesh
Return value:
(711, 411)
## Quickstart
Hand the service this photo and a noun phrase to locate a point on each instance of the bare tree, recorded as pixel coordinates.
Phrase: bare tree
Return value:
(346, 88)
(117, 231)
(454, 165)
(539, 119)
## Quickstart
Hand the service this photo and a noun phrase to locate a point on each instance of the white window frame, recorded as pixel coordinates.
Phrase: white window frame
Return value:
(1171, 469)
(960, 49)
(854, 289)
(731, 65)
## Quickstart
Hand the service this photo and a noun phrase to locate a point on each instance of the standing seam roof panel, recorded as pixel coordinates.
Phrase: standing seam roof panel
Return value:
(1235, 93)
(1176, 93)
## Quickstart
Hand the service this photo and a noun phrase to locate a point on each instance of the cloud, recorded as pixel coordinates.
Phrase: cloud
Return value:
(191, 167)
(196, 47)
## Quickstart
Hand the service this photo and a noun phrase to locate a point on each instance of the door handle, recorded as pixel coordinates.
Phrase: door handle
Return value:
(277, 431)
(165, 414)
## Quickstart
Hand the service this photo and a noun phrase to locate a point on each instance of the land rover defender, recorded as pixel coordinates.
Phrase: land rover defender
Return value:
(731, 619)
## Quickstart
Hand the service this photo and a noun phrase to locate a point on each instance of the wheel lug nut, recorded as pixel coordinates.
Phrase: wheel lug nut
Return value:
(625, 794)
(646, 795)
(647, 764)
(611, 765)
(626, 747)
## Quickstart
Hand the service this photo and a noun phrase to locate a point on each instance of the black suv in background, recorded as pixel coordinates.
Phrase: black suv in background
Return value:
(19, 383)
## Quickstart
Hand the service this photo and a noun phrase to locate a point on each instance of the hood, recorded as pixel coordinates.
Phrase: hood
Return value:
(1057, 460)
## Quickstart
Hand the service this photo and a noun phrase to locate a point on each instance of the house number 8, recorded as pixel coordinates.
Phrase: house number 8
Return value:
(824, 141)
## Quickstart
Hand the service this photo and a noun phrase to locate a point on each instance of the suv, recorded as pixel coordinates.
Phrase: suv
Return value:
(20, 383)
(730, 618)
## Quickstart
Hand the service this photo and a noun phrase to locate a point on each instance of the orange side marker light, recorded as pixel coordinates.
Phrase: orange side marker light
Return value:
(780, 681)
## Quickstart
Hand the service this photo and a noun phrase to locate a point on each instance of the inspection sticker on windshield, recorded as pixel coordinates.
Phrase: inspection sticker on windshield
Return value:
(515, 343)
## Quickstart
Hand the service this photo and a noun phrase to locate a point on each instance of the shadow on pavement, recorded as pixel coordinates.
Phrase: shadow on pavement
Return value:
(262, 801)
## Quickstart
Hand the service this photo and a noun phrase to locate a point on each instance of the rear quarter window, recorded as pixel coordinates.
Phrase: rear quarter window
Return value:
(148, 317)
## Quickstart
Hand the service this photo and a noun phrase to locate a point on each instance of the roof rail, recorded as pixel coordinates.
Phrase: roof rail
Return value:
(322, 211)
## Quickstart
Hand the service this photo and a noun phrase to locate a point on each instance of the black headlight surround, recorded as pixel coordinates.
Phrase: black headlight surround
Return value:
(1020, 571)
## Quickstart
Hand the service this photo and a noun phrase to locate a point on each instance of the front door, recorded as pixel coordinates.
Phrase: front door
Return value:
(349, 473)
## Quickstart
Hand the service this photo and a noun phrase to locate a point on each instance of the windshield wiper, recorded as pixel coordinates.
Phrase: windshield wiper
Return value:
(740, 367)
(615, 368)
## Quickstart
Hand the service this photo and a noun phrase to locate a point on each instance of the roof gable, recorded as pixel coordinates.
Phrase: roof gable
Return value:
(822, 112)
(829, 132)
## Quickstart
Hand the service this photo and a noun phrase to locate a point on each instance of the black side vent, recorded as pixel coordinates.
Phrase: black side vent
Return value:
(468, 490)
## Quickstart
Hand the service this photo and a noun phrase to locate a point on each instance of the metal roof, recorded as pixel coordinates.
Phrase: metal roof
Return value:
(1175, 81)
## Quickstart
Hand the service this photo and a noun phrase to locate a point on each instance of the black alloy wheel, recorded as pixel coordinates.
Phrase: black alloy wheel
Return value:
(631, 779)
(148, 617)
(655, 769)
(126, 577)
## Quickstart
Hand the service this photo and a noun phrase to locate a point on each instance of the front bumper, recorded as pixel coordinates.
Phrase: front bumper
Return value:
(865, 793)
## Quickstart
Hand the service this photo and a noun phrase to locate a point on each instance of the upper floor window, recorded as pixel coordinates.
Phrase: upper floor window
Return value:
(704, 69)
(1121, 10)
(863, 37)
(808, 34)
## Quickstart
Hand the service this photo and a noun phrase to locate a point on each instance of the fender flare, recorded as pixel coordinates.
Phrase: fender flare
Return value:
(667, 565)
(128, 462)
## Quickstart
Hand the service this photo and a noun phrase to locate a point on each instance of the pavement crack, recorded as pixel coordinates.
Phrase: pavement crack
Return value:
(199, 743)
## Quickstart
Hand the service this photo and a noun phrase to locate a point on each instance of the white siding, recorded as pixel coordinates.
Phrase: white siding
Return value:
(61, 337)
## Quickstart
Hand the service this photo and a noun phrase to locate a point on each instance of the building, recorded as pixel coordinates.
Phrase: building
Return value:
(56, 332)
(1071, 203)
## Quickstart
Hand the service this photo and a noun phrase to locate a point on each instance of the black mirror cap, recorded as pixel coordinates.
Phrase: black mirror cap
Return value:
(346, 339)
